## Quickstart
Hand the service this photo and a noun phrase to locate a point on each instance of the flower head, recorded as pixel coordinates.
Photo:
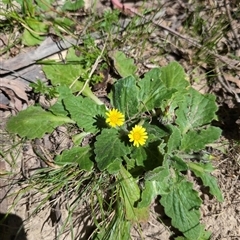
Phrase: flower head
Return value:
(114, 118)
(138, 135)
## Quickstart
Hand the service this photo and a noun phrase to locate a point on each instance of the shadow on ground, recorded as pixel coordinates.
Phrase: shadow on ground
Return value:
(11, 227)
(229, 121)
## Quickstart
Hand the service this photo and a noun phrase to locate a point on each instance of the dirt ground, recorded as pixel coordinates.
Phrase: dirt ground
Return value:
(25, 222)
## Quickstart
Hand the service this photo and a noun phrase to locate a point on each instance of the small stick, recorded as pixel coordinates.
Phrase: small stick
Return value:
(94, 67)
(233, 64)
(225, 83)
(226, 2)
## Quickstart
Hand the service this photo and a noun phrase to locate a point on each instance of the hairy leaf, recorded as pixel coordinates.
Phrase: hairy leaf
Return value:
(196, 111)
(156, 183)
(79, 155)
(125, 66)
(182, 205)
(108, 148)
(34, 122)
(130, 193)
(125, 96)
(87, 114)
(202, 170)
(195, 140)
(173, 76)
(152, 91)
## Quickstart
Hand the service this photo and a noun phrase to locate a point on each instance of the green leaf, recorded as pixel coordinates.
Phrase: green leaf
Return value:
(202, 171)
(158, 173)
(149, 157)
(182, 205)
(178, 163)
(139, 155)
(78, 138)
(174, 140)
(79, 155)
(196, 140)
(151, 190)
(28, 7)
(64, 74)
(115, 166)
(130, 193)
(34, 36)
(73, 5)
(173, 76)
(130, 163)
(124, 66)
(156, 183)
(43, 6)
(34, 122)
(58, 108)
(124, 96)
(156, 132)
(117, 228)
(203, 235)
(152, 91)
(86, 113)
(71, 75)
(30, 38)
(196, 111)
(64, 22)
(108, 148)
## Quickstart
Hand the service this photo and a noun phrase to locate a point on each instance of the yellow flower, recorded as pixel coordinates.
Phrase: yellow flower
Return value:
(138, 135)
(114, 118)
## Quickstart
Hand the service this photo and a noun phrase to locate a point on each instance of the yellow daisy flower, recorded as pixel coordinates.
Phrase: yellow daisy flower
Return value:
(138, 135)
(114, 118)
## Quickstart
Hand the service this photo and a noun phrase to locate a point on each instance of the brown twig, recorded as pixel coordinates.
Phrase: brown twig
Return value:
(233, 64)
(225, 83)
(94, 67)
(227, 3)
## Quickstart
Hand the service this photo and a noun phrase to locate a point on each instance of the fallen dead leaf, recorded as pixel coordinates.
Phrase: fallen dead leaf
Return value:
(15, 90)
(233, 79)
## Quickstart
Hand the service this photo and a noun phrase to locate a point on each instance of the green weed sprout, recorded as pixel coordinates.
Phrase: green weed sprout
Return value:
(74, 74)
(154, 126)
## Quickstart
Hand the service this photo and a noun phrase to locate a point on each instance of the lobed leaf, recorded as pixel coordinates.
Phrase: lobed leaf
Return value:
(196, 111)
(202, 170)
(58, 108)
(79, 155)
(66, 74)
(195, 140)
(182, 205)
(124, 66)
(124, 95)
(108, 148)
(87, 114)
(152, 91)
(173, 76)
(156, 183)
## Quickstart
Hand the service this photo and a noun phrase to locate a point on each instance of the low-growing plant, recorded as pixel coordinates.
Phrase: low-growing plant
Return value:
(144, 143)
(40, 87)
(37, 18)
